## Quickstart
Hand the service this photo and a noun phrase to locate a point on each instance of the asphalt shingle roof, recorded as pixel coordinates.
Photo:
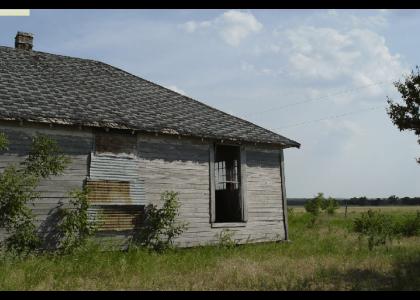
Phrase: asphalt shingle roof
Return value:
(42, 87)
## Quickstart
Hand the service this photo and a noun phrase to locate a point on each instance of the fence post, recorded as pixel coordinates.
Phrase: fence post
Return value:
(345, 211)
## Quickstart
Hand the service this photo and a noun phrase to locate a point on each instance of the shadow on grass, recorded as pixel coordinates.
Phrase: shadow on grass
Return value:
(404, 275)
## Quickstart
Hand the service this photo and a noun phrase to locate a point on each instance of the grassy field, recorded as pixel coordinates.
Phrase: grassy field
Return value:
(326, 257)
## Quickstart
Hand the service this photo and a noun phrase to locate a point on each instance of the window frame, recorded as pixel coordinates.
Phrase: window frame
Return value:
(243, 186)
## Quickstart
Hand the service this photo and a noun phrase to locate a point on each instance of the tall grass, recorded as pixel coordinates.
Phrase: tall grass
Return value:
(327, 256)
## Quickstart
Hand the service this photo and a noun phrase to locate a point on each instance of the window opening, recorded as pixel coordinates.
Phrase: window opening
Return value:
(228, 200)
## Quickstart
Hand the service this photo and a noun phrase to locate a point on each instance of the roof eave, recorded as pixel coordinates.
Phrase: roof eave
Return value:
(165, 131)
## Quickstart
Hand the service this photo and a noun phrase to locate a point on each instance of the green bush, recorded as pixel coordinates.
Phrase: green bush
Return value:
(17, 189)
(314, 206)
(378, 228)
(408, 225)
(4, 142)
(330, 205)
(45, 158)
(319, 203)
(160, 224)
(75, 227)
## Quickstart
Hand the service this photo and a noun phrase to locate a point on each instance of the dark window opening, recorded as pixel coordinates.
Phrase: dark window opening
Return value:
(228, 200)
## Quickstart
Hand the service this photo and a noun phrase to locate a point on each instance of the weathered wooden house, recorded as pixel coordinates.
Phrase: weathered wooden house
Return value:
(130, 140)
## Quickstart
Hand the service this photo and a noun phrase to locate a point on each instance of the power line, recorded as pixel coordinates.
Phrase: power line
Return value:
(316, 99)
(332, 117)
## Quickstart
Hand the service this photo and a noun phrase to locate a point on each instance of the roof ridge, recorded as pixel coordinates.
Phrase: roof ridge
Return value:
(50, 54)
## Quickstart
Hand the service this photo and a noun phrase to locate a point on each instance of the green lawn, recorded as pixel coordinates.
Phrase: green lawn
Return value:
(326, 257)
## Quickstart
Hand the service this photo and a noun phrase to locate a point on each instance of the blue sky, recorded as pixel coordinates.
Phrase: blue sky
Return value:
(291, 71)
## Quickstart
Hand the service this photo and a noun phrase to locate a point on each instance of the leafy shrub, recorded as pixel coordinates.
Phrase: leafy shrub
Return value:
(17, 189)
(160, 224)
(75, 227)
(4, 142)
(314, 206)
(330, 205)
(408, 226)
(225, 239)
(317, 204)
(45, 158)
(376, 227)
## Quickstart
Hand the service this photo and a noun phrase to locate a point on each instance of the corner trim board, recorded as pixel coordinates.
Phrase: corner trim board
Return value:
(283, 196)
(212, 185)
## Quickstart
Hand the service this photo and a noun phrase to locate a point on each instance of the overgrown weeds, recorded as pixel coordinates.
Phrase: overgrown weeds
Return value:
(325, 257)
(380, 228)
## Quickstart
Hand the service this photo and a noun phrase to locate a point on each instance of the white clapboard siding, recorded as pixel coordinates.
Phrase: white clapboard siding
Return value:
(161, 163)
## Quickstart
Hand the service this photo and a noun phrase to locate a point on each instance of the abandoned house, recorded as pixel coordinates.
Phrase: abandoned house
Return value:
(129, 140)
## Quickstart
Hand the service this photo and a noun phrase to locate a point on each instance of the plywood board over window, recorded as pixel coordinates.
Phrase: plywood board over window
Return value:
(115, 143)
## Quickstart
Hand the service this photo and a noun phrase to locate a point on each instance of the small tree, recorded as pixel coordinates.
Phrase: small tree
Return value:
(75, 226)
(45, 158)
(407, 116)
(17, 189)
(314, 206)
(160, 224)
(330, 205)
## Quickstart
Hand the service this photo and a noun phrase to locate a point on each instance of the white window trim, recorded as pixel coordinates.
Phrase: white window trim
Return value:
(228, 224)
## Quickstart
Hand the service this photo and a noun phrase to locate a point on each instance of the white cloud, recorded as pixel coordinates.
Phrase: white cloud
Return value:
(233, 26)
(237, 25)
(176, 89)
(357, 56)
(192, 26)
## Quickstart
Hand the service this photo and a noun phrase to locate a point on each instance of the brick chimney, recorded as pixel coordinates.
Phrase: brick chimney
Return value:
(24, 40)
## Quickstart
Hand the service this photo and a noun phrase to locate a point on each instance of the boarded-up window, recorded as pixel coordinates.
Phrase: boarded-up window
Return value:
(117, 217)
(112, 206)
(116, 195)
(104, 192)
(115, 143)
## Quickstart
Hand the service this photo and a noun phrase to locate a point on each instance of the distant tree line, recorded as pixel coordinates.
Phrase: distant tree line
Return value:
(391, 200)
(364, 201)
